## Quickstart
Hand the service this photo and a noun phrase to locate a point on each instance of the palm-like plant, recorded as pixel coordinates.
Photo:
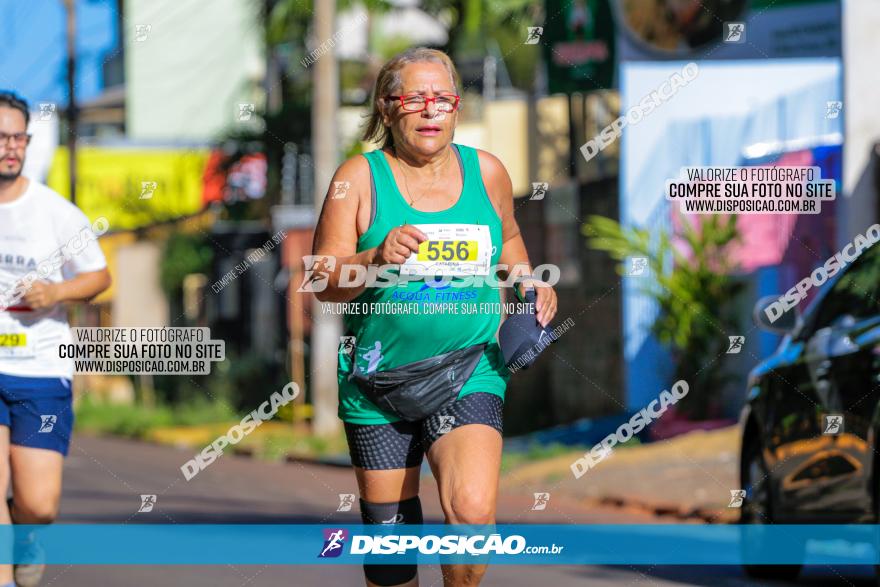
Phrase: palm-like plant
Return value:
(289, 20)
(474, 25)
(695, 292)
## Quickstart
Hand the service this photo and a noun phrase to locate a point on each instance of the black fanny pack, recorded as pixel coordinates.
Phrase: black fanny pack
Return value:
(417, 390)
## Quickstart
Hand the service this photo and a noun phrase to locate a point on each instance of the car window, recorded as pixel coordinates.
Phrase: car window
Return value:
(855, 293)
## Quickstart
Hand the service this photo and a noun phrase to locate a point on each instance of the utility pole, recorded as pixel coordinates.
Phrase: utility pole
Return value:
(326, 328)
(70, 9)
(274, 89)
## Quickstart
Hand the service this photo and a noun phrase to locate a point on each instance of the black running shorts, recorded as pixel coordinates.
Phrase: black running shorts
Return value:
(403, 444)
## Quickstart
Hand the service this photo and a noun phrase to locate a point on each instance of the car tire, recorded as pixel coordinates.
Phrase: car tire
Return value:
(757, 509)
(876, 521)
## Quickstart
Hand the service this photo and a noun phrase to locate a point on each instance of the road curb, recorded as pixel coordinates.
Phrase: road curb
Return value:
(677, 511)
(340, 461)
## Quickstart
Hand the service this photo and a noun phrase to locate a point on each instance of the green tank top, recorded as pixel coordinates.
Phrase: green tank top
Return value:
(390, 339)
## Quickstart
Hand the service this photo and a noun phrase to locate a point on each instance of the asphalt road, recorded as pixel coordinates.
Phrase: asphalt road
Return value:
(104, 479)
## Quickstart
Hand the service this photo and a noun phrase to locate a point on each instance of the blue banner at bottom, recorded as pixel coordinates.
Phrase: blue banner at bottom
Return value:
(660, 544)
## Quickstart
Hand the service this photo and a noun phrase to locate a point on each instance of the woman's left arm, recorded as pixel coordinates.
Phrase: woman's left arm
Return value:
(514, 257)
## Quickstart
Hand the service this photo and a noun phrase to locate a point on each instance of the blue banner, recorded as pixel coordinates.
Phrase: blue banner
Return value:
(208, 544)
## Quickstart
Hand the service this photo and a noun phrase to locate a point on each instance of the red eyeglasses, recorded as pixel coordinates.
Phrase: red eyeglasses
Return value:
(417, 102)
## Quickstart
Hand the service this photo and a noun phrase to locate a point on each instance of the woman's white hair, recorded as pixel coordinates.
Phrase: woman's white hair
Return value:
(388, 82)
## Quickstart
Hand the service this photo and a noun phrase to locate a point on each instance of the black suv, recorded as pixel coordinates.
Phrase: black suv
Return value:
(811, 417)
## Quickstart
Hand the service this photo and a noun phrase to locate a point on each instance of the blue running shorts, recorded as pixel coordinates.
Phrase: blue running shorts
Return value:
(37, 410)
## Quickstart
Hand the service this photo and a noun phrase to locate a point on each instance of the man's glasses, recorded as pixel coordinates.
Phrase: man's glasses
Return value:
(417, 102)
(19, 138)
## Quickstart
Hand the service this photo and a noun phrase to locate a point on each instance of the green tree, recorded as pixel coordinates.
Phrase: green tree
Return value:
(183, 254)
(696, 293)
(475, 23)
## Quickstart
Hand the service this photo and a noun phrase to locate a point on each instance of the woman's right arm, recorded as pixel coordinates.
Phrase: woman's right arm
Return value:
(336, 234)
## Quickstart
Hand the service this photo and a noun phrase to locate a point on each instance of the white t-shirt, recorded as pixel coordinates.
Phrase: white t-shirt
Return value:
(42, 237)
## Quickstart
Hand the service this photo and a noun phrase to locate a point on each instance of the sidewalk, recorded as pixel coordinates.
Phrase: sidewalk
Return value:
(689, 476)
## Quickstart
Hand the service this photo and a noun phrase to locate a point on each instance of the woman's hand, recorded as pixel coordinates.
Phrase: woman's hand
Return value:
(398, 245)
(545, 304)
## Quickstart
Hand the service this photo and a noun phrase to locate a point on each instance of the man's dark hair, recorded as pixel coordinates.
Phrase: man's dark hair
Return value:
(13, 100)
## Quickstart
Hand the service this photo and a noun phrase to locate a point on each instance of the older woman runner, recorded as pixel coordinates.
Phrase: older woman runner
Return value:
(457, 202)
